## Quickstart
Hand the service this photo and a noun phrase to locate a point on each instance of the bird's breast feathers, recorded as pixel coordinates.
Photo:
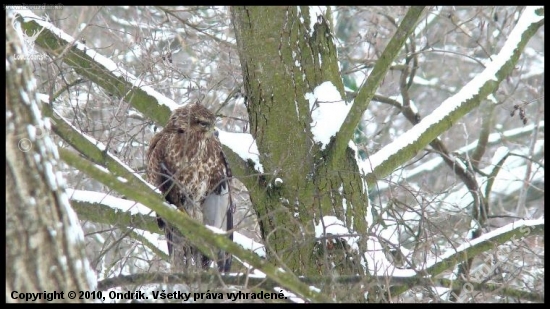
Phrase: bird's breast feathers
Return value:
(199, 170)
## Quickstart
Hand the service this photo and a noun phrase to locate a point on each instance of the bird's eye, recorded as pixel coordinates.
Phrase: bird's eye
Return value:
(180, 131)
(204, 124)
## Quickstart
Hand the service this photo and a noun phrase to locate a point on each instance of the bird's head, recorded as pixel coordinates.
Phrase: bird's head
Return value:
(193, 119)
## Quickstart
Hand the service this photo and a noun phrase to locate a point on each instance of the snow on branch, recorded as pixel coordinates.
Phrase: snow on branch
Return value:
(433, 164)
(94, 197)
(513, 232)
(108, 64)
(249, 244)
(244, 145)
(328, 112)
(107, 74)
(197, 234)
(374, 260)
(134, 208)
(124, 214)
(40, 157)
(368, 89)
(451, 110)
(379, 265)
(93, 149)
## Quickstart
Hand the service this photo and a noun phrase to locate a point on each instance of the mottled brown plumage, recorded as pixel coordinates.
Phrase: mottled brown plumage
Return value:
(187, 164)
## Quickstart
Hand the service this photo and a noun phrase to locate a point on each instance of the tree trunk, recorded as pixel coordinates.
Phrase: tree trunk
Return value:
(44, 240)
(282, 60)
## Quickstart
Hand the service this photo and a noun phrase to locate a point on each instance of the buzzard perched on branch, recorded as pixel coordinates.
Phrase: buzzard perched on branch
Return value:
(187, 164)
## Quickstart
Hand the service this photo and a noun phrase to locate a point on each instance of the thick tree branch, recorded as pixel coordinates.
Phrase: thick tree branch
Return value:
(117, 82)
(45, 247)
(105, 214)
(513, 232)
(198, 234)
(486, 126)
(367, 91)
(529, 228)
(78, 57)
(91, 150)
(386, 160)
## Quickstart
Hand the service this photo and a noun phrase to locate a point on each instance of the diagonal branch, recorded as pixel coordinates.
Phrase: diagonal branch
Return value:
(99, 69)
(94, 150)
(105, 214)
(114, 79)
(123, 220)
(199, 235)
(367, 91)
(240, 280)
(451, 110)
(513, 232)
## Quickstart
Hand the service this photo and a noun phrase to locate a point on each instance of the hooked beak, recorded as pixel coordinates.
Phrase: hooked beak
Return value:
(211, 131)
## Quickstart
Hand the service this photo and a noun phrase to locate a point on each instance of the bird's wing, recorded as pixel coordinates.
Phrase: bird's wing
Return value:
(160, 171)
(215, 207)
(160, 175)
(218, 211)
(155, 155)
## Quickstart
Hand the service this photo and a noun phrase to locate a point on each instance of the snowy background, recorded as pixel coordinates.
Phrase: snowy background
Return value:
(186, 54)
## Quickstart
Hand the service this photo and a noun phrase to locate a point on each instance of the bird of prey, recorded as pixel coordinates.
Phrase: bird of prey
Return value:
(186, 162)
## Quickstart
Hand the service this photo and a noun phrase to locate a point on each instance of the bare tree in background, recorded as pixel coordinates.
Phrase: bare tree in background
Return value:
(476, 170)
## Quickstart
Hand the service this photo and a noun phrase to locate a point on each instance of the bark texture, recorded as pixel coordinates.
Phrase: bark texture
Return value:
(283, 59)
(44, 240)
